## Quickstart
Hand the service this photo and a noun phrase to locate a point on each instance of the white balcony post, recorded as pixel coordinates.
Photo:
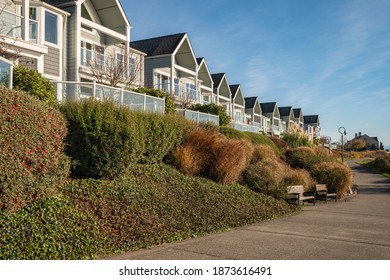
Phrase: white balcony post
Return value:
(94, 89)
(198, 118)
(121, 97)
(26, 20)
(144, 106)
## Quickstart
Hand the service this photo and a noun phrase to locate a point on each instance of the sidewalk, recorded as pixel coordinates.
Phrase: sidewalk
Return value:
(356, 229)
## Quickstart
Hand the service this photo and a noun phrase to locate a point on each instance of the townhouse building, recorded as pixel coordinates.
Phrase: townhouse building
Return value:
(79, 44)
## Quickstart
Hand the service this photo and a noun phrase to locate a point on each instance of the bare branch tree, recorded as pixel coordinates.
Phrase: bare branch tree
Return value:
(7, 42)
(117, 68)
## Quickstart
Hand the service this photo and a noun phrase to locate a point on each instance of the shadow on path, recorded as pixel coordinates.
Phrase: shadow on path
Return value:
(368, 181)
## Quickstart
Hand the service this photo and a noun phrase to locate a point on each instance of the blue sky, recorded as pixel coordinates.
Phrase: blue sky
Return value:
(330, 58)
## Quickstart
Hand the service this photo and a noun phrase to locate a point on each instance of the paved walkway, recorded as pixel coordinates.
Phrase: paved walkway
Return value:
(356, 229)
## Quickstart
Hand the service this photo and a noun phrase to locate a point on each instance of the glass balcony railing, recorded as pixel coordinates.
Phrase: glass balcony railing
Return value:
(245, 127)
(11, 25)
(180, 92)
(133, 100)
(198, 117)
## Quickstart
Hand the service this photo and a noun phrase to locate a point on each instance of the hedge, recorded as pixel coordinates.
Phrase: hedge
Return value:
(32, 82)
(31, 141)
(104, 139)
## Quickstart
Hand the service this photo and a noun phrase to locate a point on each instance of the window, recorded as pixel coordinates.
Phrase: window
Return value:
(86, 53)
(131, 66)
(51, 35)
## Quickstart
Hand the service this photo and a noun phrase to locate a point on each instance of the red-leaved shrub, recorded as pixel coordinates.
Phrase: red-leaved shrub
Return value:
(31, 141)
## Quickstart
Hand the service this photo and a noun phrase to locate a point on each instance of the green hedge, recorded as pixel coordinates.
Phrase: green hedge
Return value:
(104, 139)
(232, 133)
(214, 109)
(32, 82)
(31, 141)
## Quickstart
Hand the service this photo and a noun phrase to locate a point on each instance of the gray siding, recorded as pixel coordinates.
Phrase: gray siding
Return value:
(153, 63)
(52, 62)
(70, 53)
(96, 37)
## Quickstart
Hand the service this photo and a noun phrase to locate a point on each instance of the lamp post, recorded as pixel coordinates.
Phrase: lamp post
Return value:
(343, 132)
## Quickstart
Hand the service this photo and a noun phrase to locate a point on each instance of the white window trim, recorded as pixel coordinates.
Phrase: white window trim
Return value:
(59, 39)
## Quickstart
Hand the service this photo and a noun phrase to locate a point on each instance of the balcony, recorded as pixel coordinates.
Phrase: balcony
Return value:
(198, 117)
(180, 92)
(134, 101)
(245, 127)
(11, 25)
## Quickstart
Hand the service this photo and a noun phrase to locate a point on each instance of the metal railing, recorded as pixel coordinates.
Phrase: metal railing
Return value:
(198, 117)
(132, 100)
(180, 92)
(11, 25)
(244, 127)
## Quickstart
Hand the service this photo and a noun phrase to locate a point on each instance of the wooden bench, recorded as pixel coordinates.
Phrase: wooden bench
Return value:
(322, 193)
(297, 194)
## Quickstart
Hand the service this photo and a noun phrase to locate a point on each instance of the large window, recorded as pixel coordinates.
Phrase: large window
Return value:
(51, 30)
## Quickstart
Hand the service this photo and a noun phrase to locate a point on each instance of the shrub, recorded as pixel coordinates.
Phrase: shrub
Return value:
(169, 101)
(193, 157)
(208, 153)
(155, 204)
(382, 164)
(232, 133)
(262, 152)
(298, 177)
(265, 177)
(104, 139)
(304, 157)
(335, 175)
(249, 150)
(49, 229)
(297, 139)
(32, 82)
(281, 144)
(31, 141)
(214, 109)
(258, 138)
(229, 161)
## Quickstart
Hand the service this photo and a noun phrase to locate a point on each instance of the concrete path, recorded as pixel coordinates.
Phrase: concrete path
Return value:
(355, 229)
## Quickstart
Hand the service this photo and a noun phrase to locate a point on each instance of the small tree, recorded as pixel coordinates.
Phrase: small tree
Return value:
(381, 146)
(214, 109)
(117, 68)
(358, 144)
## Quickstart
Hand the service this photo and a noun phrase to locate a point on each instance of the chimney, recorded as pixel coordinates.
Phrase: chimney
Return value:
(360, 134)
(355, 135)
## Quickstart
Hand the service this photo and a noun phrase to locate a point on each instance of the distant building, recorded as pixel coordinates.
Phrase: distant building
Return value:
(372, 143)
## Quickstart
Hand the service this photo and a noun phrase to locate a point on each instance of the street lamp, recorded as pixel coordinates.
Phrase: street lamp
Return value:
(343, 132)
